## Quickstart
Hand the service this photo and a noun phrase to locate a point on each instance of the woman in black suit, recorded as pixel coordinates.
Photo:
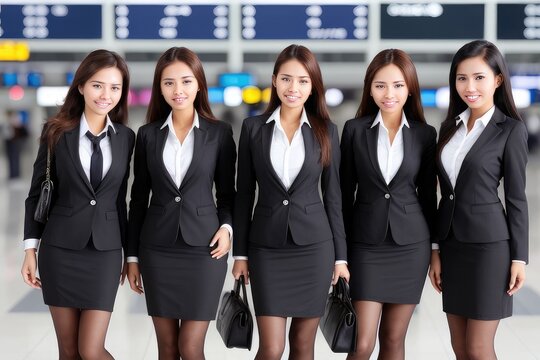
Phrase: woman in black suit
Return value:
(388, 182)
(294, 240)
(181, 237)
(80, 255)
(483, 245)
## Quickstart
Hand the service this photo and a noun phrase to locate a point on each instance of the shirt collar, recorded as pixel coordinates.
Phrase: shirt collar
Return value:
(484, 119)
(169, 122)
(275, 117)
(378, 119)
(84, 128)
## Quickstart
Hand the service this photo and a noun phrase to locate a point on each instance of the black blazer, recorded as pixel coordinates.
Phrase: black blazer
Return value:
(473, 210)
(77, 212)
(300, 208)
(190, 209)
(408, 204)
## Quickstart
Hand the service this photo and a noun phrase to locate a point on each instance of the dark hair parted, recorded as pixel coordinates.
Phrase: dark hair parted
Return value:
(69, 115)
(413, 106)
(158, 109)
(503, 94)
(315, 105)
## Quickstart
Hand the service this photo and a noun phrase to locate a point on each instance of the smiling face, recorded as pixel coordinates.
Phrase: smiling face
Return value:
(389, 89)
(476, 84)
(179, 86)
(293, 84)
(102, 92)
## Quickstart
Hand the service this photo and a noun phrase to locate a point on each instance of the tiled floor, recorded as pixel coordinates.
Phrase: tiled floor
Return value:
(26, 330)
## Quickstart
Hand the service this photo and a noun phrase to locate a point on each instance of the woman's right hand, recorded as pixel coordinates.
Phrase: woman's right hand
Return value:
(435, 271)
(134, 277)
(29, 269)
(240, 267)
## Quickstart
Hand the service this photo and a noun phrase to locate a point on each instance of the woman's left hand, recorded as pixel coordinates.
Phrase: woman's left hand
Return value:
(124, 273)
(517, 278)
(223, 240)
(340, 270)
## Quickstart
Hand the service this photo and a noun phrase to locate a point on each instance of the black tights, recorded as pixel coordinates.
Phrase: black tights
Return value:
(81, 333)
(180, 339)
(272, 331)
(472, 339)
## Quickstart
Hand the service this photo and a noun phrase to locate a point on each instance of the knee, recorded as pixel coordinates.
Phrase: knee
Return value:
(392, 341)
(364, 347)
(271, 351)
(69, 353)
(479, 351)
(189, 350)
(90, 352)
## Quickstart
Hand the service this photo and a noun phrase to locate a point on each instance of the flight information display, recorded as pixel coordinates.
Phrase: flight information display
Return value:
(432, 20)
(135, 21)
(50, 21)
(518, 21)
(309, 22)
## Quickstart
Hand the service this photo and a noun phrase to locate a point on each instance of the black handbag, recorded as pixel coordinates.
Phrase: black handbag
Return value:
(234, 321)
(338, 324)
(45, 196)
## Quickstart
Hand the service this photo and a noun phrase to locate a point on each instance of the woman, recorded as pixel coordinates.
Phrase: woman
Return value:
(482, 141)
(388, 182)
(181, 237)
(80, 254)
(294, 241)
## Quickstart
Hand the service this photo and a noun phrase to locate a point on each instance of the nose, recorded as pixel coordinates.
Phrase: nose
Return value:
(469, 86)
(389, 93)
(178, 89)
(106, 93)
(294, 86)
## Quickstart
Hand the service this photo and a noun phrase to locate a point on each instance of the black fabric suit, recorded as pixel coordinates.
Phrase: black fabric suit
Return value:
(78, 214)
(378, 215)
(295, 219)
(478, 236)
(181, 221)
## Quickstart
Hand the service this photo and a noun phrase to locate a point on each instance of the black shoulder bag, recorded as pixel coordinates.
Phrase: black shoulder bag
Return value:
(45, 196)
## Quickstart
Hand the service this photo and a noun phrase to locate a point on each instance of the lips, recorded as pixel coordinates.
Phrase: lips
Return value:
(472, 98)
(102, 105)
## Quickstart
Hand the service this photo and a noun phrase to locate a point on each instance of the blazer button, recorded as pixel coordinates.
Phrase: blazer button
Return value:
(93, 202)
(451, 197)
(387, 196)
(177, 199)
(285, 202)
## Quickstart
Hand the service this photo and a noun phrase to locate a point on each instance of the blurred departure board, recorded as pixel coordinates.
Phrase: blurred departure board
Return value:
(518, 21)
(432, 20)
(50, 21)
(310, 22)
(136, 21)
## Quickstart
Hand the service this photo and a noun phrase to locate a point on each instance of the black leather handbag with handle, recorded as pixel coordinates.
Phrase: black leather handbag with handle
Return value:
(45, 196)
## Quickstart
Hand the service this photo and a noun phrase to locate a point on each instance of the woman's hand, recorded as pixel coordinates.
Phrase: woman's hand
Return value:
(29, 269)
(517, 278)
(240, 267)
(340, 270)
(435, 271)
(134, 277)
(223, 240)
(124, 273)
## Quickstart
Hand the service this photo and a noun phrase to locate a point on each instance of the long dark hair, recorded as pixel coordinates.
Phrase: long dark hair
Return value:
(413, 106)
(158, 109)
(69, 115)
(315, 105)
(503, 94)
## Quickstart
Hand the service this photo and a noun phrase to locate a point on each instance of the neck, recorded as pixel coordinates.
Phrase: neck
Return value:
(392, 120)
(96, 123)
(183, 118)
(288, 115)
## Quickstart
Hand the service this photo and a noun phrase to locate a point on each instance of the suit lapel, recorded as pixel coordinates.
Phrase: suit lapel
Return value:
(372, 136)
(199, 141)
(161, 138)
(72, 141)
(116, 153)
(408, 141)
(267, 131)
(310, 150)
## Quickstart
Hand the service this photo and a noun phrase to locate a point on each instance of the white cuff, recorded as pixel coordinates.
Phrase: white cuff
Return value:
(31, 244)
(132, 259)
(434, 246)
(519, 261)
(339, 262)
(240, 258)
(229, 228)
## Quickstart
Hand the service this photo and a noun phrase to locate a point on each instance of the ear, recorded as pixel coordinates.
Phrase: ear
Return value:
(498, 80)
(80, 90)
(274, 80)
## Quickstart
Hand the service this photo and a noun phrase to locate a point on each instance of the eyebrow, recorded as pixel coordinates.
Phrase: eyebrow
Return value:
(384, 82)
(476, 73)
(303, 76)
(182, 77)
(103, 83)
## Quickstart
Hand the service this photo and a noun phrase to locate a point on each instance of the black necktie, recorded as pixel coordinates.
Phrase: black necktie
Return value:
(96, 161)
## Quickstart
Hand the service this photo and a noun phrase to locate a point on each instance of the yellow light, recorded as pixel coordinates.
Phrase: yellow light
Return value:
(266, 95)
(251, 95)
(14, 51)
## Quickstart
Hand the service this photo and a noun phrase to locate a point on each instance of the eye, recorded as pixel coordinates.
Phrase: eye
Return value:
(399, 86)
(116, 88)
(285, 79)
(96, 86)
(480, 77)
(304, 81)
(168, 83)
(460, 78)
(187, 82)
(379, 86)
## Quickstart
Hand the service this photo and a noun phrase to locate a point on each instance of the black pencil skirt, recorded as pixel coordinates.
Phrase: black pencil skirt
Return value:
(84, 279)
(182, 281)
(291, 281)
(475, 278)
(388, 272)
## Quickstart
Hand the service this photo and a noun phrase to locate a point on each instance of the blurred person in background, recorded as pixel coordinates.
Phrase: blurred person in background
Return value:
(14, 132)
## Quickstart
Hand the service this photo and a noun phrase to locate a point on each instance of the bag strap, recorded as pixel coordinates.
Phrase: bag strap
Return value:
(241, 282)
(341, 289)
(48, 171)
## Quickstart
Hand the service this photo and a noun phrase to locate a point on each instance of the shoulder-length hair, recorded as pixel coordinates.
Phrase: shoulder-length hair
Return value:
(503, 94)
(158, 109)
(315, 105)
(69, 115)
(413, 106)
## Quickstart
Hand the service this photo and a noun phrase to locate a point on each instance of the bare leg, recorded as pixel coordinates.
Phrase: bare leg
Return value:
(271, 337)
(394, 324)
(302, 338)
(191, 339)
(458, 334)
(481, 339)
(368, 315)
(167, 334)
(66, 326)
(92, 332)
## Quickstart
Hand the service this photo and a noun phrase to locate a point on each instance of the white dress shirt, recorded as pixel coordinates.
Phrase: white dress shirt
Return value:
(85, 155)
(390, 156)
